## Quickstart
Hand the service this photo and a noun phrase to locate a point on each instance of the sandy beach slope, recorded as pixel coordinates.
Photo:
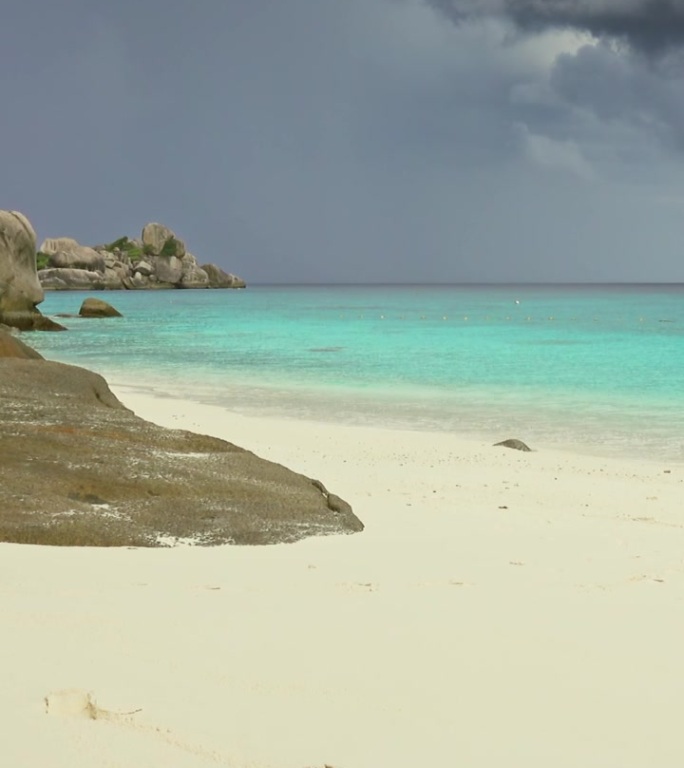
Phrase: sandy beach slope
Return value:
(500, 609)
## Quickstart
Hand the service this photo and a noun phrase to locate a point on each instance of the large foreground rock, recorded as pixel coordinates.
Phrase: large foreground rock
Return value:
(20, 289)
(78, 468)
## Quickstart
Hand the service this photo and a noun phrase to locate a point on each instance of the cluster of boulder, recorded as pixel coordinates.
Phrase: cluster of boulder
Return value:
(158, 259)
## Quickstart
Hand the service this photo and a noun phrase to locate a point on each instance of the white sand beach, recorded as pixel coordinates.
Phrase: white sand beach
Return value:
(500, 609)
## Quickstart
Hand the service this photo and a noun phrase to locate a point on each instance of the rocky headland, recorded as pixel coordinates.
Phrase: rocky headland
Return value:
(158, 259)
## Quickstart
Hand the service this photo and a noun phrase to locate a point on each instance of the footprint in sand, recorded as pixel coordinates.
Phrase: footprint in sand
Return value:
(77, 703)
(74, 702)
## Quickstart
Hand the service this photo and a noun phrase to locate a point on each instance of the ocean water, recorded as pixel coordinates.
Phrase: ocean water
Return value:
(594, 368)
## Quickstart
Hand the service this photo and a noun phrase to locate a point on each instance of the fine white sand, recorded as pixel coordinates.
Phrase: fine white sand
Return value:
(500, 609)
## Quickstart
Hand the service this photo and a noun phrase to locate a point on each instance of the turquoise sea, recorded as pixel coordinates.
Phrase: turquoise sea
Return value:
(599, 368)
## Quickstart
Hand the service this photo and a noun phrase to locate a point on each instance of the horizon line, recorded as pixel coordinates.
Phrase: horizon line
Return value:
(503, 284)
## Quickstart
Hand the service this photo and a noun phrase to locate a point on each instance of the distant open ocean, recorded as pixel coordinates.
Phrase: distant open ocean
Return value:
(594, 368)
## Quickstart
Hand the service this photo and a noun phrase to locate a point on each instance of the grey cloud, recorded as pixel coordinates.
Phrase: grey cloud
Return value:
(650, 26)
(619, 88)
(638, 85)
(366, 140)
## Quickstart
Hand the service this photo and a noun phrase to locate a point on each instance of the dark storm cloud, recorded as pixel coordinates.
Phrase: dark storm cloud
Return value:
(650, 26)
(638, 84)
(618, 88)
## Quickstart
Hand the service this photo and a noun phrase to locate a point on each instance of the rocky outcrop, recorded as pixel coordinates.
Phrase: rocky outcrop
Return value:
(77, 468)
(193, 275)
(98, 308)
(220, 279)
(57, 279)
(66, 253)
(20, 289)
(158, 259)
(160, 240)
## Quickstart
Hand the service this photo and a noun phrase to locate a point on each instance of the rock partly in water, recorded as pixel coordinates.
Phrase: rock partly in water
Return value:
(193, 275)
(11, 346)
(517, 445)
(97, 308)
(20, 289)
(218, 278)
(30, 321)
(78, 468)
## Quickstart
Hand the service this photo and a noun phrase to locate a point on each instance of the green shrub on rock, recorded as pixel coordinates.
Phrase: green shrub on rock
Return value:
(135, 254)
(119, 244)
(170, 247)
(42, 260)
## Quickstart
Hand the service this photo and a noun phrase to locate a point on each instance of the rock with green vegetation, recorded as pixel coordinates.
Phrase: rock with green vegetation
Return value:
(67, 253)
(161, 241)
(158, 259)
(77, 468)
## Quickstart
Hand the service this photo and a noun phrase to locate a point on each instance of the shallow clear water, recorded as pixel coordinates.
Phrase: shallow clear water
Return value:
(600, 367)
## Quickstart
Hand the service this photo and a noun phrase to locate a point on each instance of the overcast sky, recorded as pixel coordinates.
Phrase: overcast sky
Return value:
(356, 140)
